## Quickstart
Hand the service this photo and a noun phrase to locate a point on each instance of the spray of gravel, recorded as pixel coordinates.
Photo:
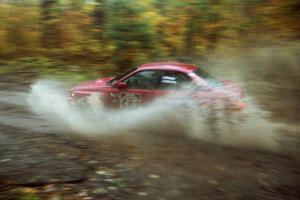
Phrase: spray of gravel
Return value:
(168, 115)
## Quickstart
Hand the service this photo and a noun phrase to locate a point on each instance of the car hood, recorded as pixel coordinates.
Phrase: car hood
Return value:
(91, 85)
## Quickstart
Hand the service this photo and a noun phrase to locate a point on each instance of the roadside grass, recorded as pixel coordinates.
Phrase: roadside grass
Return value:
(45, 68)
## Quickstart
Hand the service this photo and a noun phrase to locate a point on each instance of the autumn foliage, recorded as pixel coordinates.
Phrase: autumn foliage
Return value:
(127, 32)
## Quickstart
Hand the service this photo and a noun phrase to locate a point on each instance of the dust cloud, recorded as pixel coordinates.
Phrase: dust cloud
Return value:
(168, 115)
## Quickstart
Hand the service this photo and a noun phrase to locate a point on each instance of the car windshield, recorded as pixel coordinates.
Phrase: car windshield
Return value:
(115, 80)
(205, 75)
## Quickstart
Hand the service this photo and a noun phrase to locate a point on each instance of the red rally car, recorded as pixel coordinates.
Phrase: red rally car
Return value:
(145, 83)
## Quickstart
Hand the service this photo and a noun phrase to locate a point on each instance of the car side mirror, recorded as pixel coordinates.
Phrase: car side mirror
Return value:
(121, 85)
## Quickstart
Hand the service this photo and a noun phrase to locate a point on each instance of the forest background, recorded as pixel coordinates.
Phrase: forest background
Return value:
(119, 34)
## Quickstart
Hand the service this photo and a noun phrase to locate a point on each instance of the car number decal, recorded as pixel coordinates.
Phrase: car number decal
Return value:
(129, 99)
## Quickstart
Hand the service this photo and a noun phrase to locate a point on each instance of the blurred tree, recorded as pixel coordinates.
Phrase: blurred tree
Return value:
(204, 25)
(52, 30)
(170, 27)
(194, 25)
(77, 32)
(19, 31)
(287, 15)
(131, 38)
(215, 26)
(126, 32)
(76, 5)
(4, 45)
(99, 19)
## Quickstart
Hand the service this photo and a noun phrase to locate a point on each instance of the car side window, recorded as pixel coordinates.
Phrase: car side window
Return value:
(148, 80)
(171, 80)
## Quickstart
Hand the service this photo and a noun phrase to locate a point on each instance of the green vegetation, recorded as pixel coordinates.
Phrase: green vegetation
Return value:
(41, 67)
(122, 33)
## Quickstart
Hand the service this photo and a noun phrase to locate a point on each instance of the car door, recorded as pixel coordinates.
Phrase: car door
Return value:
(142, 87)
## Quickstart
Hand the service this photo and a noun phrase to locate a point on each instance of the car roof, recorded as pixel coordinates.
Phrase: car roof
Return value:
(177, 66)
